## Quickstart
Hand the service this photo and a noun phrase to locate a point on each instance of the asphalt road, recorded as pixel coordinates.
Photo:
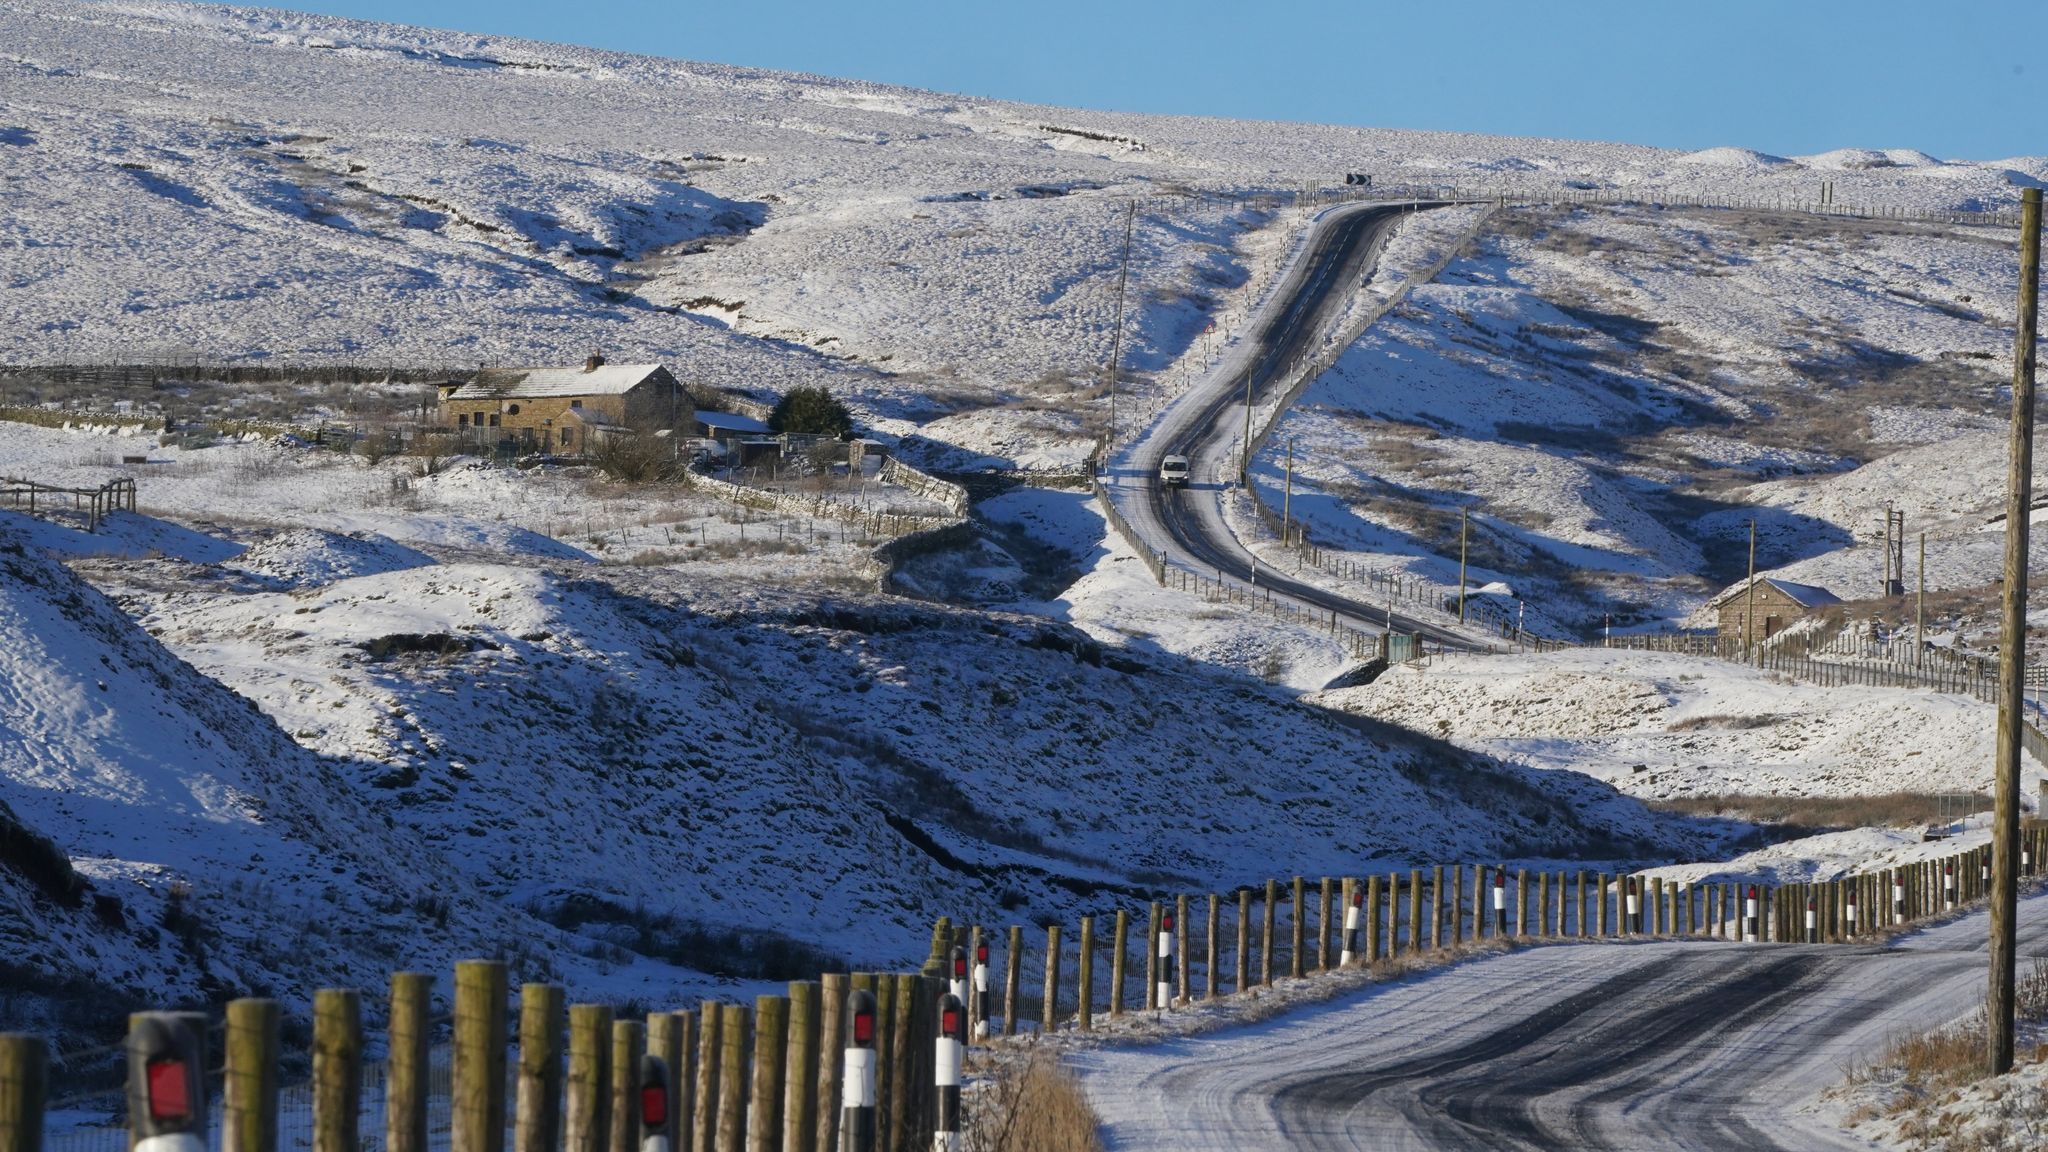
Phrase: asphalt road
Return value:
(1208, 427)
(1671, 1046)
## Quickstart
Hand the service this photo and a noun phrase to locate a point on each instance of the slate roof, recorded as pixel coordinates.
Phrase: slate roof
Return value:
(535, 383)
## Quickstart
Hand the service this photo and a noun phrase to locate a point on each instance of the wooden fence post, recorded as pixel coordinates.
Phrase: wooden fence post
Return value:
(771, 1056)
(1049, 1012)
(1084, 978)
(1297, 930)
(1457, 908)
(885, 1054)
(1522, 902)
(629, 1041)
(1215, 940)
(1436, 910)
(832, 993)
(405, 1074)
(249, 1104)
(1266, 935)
(1185, 959)
(1122, 941)
(902, 1059)
(588, 1107)
(1011, 974)
(1243, 940)
(733, 1030)
(710, 1053)
(1323, 929)
(800, 1100)
(337, 1069)
(476, 1105)
(538, 1102)
(684, 1102)
(24, 1091)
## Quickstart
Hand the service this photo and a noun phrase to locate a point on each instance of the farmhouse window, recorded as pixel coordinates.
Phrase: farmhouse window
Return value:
(512, 410)
(575, 403)
(494, 419)
(462, 419)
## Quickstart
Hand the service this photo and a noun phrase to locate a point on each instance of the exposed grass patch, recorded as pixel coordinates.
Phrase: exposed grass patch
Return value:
(1031, 1103)
(1889, 810)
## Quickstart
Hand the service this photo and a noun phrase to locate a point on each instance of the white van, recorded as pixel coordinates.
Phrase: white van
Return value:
(1173, 471)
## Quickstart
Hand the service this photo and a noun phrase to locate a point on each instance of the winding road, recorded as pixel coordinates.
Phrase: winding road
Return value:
(1707, 1046)
(1207, 425)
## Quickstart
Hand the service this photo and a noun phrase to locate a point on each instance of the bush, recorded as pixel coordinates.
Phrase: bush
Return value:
(811, 411)
(36, 859)
(633, 458)
(1032, 1104)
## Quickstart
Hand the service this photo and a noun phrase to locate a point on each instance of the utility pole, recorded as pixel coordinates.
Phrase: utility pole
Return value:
(1749, 612)
(1920, 611)
(2012, 640)
(1462, 521)
(1116, 338)
(1287, 500)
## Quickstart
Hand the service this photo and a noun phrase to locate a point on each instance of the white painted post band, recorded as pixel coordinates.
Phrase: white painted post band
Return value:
(1500, 901)
(1163, 984)
(1812, 921)
(1849, 909)
(1948, 883)
(1749, 915)
(1634, 908)
(1898, 897)
(958, 984)
(1351, 912)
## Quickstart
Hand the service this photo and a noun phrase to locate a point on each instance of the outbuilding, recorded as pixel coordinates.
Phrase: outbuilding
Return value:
(1777, 604)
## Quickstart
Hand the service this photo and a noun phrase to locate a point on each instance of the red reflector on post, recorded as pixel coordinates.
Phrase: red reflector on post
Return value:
(950, 1023)
(170, 1092)
(654, 1107)
(1166, 922)
(960, 966)
(981, 953)
(863, 1028)
(1358, 898)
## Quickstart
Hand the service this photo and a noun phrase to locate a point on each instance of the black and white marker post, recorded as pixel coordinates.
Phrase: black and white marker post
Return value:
(857, 1085)
(1812, 920)
(1849, 908)
(1948, 884)
(952, 1053)
(981, 991)
(166, 1106)
(653, 1084)
(958, 985)
(1351, 911)
(1500, 902)
(1163, 983)
(1898, 897)
(1749, 915)
(1635, 907)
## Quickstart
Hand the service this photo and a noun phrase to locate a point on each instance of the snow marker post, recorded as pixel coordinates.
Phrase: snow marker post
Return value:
(1749, 924)
(1898, 897)
(1162, 992)
(1812, 920)
(857, 1083)
(1632, 915)
(1849, 911)
(957, 982)
(1948, 884)
(652, 1082)
(166, 1110)
(981, 984)
(1354, 899)
(1500, 902)
(951, 1049)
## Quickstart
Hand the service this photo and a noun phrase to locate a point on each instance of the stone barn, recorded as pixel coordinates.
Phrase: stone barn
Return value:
(1778, 604)
(563, 409)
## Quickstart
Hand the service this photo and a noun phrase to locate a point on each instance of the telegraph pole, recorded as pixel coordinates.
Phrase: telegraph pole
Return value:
(1461, 565)
(1749, 613)
(1920, 611)
(1116, 338)
(1287, 500)
(2012, 640)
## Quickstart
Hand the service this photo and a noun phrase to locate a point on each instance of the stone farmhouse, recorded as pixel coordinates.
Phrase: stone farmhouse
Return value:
(565, 410)
(1778, 604)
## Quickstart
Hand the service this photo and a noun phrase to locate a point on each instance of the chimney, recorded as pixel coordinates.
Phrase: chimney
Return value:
(595, 362)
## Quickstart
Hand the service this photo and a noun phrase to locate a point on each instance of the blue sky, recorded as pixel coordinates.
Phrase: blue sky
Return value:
(1789, 78)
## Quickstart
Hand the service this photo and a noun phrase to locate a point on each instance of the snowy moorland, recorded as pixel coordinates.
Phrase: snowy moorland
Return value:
(1614, 394)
